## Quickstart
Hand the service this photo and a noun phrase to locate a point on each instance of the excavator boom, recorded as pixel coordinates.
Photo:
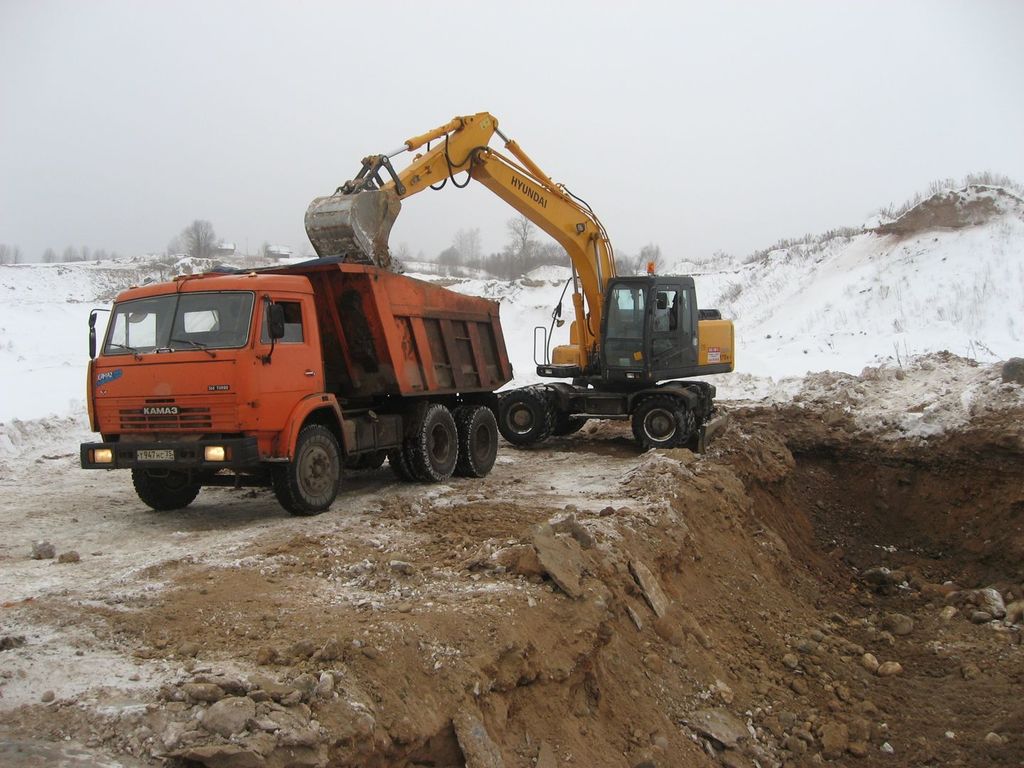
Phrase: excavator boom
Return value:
(355, 222)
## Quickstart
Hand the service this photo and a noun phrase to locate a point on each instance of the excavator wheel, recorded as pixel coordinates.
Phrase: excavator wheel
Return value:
(478, 440)
(564, 425)
(525, 416)
(663, 421)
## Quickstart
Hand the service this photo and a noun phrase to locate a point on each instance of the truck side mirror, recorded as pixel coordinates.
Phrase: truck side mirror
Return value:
(92, 335)
(275, 321)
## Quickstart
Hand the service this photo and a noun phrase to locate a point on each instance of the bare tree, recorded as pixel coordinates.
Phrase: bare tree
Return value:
(450, 260)
(5, 253)
(49, 256)
(467, 243)
(401, 252)
(86, 253)
(199, 239)
(521, 230)
(70, 254)
(16, 255)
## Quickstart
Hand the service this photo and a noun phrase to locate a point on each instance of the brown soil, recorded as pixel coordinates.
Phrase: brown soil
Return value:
(430, 611)
(953, 209)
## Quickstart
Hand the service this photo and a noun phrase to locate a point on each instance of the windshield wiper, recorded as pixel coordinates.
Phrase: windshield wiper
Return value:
(133, 350)
(196, 344)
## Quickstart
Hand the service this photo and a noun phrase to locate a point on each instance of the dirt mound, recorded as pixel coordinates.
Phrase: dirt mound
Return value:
(954, 209)
(800, 591)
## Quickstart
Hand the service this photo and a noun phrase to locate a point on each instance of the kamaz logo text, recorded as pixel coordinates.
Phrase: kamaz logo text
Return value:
(530, 192)
(160, 410)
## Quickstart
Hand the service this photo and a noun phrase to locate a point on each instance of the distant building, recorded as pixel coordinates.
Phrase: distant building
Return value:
(279, 252)
(224, 249)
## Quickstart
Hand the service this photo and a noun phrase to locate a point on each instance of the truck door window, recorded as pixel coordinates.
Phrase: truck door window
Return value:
(292, 324)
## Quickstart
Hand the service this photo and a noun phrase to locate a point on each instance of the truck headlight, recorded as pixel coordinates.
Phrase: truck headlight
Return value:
(216, 453)
(103, 456)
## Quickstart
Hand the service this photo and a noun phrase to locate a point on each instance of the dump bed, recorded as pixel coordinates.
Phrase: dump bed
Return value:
(388, 334)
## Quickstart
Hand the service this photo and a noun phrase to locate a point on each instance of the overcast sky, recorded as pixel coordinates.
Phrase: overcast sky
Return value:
(697, 126)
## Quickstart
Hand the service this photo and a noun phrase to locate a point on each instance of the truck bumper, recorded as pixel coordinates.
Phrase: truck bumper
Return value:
(239, 453)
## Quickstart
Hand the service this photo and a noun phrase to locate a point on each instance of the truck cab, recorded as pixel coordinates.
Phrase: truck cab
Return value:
(286, 375)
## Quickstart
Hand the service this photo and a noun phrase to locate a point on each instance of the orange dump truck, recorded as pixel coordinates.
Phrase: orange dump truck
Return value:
(286, 376)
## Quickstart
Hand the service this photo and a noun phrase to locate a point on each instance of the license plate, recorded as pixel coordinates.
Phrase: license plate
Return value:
(155, 455)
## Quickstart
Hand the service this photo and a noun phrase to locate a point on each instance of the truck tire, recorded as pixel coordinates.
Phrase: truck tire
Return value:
(566, 426)
(164, 492)
(662, 421)
(399, 461)
(308, 484)
(433, 450)
(525, 417)
(478, 440)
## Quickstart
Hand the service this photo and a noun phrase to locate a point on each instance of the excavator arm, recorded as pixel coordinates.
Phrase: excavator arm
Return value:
(356, 220)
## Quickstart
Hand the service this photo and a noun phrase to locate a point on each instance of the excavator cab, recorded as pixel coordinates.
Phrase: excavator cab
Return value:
(649, 330)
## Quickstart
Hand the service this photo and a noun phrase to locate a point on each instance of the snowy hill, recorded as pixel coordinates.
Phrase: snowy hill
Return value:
(948, 274)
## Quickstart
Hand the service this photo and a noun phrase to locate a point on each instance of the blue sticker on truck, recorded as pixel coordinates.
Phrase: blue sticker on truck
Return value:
(108, 376)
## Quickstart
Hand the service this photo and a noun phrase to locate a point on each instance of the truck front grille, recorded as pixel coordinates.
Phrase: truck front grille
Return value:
(164, 416)
(186, 413)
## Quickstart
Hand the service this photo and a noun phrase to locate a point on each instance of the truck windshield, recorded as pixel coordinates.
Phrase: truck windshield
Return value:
(200, 320)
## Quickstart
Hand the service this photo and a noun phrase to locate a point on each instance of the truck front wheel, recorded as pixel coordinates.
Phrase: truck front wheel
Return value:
(164, 490)
(478, 440)
(308, 484)
(662, 421)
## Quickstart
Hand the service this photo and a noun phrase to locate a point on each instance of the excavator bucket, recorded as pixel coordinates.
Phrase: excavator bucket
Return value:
(354, 226)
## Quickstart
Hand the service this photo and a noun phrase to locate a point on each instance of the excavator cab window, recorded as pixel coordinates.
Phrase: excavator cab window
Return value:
(672, 330)
(626, 318)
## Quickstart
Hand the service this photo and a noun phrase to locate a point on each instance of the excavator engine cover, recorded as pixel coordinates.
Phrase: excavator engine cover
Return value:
(355, 227)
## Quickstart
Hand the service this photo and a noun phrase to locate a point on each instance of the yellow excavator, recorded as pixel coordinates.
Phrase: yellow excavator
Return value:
(635, 340)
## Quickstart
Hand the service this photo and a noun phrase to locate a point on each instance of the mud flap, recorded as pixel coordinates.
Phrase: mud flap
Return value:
(355, 226)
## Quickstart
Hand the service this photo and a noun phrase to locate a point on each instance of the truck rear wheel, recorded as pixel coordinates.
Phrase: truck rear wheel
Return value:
(662, 421)
(399, 462)
(525, 417)
(164, 491)
(434, 448)
(308, 484)
(478, 440)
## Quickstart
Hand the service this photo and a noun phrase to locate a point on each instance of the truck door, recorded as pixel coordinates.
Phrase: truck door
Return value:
(295, 369)
(673, 342)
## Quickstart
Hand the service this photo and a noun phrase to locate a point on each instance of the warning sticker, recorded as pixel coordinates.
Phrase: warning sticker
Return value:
(714, 354)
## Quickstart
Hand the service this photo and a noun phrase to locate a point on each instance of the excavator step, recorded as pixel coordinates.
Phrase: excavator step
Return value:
(561, 371)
